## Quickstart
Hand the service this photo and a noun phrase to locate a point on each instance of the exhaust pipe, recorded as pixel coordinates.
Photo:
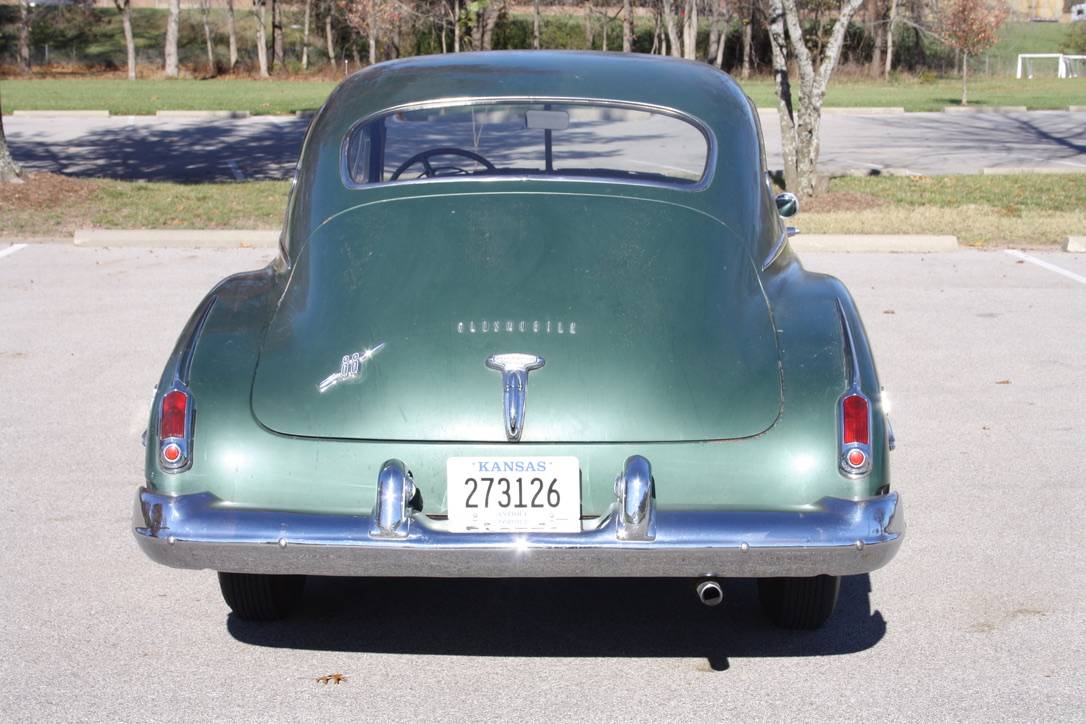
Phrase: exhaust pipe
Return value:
(710, 593)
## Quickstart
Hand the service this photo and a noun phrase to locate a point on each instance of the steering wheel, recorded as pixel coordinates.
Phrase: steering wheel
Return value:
(424, 157)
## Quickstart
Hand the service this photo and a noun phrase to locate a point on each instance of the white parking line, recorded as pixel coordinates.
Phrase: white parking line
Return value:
(11, 250)
(1046, 265)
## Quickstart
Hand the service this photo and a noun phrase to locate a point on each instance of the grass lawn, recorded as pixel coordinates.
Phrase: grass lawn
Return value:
(1039, 209)
(283, 96)
(1016, 209)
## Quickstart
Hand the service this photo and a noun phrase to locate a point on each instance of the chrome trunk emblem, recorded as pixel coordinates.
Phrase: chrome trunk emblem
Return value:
(514, 368)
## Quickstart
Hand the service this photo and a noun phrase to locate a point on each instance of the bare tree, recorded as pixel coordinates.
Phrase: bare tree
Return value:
(205, 11)
(535, 24)
(261, 37)
(718, 31)
(746, 19)
(672, 31)
(277, 33)
(24, 35)
(690, 30)
(9, 170)
(372, 26)
(971, 27)
(124, 7)
(329, 41)
(627, 26)
(171, 38)
(305, 35)
(232, 32)
(890, 39)
(456, 26)
(801, 123)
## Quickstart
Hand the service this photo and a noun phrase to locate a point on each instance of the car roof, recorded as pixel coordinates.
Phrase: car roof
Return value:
(696, 89)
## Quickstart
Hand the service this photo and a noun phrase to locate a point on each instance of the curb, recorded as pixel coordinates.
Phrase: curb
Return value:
(900, 243)
(1077, 109)
(202, 114)
(191, 238)
(984, 109)
(1004, 170)
(1075, 244)
(863, 110)
(61, 114)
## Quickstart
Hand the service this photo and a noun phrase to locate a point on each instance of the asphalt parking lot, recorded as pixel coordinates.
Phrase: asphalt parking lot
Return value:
(266, 147)
(980, 617)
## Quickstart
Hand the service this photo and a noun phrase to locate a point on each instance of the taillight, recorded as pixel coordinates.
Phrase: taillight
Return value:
(855, 417)
(855, 414)
(172, 422)
(174, 430)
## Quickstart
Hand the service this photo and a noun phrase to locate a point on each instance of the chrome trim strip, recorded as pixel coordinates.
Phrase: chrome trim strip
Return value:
(181, 374)
(635, 517)
(775, 251)
(706, 177)
(190, 335)
(852, 371)
(834, 537)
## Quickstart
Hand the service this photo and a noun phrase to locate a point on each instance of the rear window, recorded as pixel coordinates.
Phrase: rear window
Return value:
(527, 139)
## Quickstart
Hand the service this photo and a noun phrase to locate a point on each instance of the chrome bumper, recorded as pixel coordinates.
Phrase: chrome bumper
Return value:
(836, 537)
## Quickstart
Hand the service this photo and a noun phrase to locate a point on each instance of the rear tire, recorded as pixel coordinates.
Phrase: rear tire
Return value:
(799, 603)
(259, 597)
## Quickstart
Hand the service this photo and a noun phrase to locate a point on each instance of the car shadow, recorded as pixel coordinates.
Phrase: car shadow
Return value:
(556, 618)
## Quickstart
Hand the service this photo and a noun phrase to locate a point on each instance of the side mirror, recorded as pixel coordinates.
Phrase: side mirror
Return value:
(787, 204)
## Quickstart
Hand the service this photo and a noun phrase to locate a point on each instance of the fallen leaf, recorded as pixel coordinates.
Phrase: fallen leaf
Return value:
(331, 679)
(1003, 382)
(888, 311)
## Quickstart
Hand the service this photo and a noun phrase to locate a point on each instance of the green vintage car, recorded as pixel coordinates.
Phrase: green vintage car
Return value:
(535, 314)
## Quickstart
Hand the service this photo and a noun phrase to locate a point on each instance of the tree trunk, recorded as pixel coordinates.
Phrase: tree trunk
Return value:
(124, 7)
(747, 21)
(305, 35)
(456, 26)
(277, 33)
(329, 42)
(722, 40)
(205, 10)
(875, 68)
(655, 33)
(805, 119)
(9, 170)
(261, 37)
(24, 36)
(627, 26)
(690, 30)
(890, 39)
(965, 78)
(779, 47)
(589, 25)
(233, 33)
(371, 41)
(535, 24)
(714, 29)
(672, 31)
(171, 38)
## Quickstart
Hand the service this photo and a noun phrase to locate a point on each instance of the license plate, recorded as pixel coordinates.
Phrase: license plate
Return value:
(514, 494)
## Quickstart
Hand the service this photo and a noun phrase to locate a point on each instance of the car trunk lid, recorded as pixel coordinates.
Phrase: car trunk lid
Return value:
(649, 317)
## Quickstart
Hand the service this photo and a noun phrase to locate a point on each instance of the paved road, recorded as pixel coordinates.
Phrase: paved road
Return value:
(141, 147)
(981, 616)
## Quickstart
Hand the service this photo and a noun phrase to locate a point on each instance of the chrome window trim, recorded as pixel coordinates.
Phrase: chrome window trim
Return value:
(707, 174)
